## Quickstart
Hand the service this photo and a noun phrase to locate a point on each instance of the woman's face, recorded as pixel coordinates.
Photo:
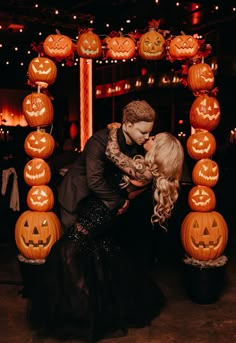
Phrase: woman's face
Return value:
(149, 143)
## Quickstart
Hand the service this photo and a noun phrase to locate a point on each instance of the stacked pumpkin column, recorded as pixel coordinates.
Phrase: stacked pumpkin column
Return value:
(38, 228)
(204, 231)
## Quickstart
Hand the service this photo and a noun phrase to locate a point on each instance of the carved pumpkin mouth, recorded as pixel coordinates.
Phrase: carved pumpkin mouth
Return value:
(35, 176)
(39, 243)
(41, 71)
(38, 203)
(204, 245)
(90, 52)
(201, 203)
(203, 150)
(207, 115)
(39, 150)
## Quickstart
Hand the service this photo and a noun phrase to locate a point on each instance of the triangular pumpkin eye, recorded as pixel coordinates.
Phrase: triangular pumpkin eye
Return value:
(45, 223)
(214, 224)
(26, 224)
(195, 224)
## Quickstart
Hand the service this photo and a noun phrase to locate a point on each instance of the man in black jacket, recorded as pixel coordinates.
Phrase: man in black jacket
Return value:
(94, 173)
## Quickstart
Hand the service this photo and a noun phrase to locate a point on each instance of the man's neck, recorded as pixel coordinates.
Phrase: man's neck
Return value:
(128, 140)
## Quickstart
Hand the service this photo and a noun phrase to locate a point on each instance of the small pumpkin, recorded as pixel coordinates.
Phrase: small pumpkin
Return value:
(58, 46)
(89, 45)
(40, 198)
(42, 71)
(39, 144)
(205, 172)
(152, 43)
(37, 172)
(201, 144)
(120, 48)
(38, 109)
(183, 46)
(201, 198)
(36, 232)
(205, 112)
(204, 235)
(200, 78)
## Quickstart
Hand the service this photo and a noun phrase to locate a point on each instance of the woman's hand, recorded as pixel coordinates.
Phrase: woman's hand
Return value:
(115, 125)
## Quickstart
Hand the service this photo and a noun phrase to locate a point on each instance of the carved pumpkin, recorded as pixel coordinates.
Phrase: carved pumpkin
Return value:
(183, 46)
(204, 235)
(58, 46)
(205, 172)
(200, 77)
(42, 71)
(201, 198)
(38, 109)
(89, 45)
(37, 172)
(201, 144)
(39, 144)
(205, 112)
(120, 48)
(40, 198)
(151, 45)
(36, 232)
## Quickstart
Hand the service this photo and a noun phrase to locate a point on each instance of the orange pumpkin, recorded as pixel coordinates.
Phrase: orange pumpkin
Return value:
(42, 71)
(37, 172)
(200, 78)
(201, 198)
(89, 45)
(38, 109)
(183, 46)
(120, 48)
(39, 144)
(58, 46)
(151, 44)
(205, 173)
(36, 232)
(40, 198)
(201, 144)
(205, 113)
(204, 235)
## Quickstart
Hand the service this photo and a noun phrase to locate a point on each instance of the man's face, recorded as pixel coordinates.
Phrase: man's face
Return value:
(138, 132)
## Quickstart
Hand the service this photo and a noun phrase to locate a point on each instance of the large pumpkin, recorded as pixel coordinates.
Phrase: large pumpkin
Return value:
(37, 172)
(36, 232)
(151, 45)
(89, 45)
(200, 78)
(201, 144)
(40, 198)
(58, 46)
(42, 71)
(38, 109)
(183, 46)
(204, 235)
(205, 172)
(201, 198)
(205, 112)
(39, 144)
(120, 48)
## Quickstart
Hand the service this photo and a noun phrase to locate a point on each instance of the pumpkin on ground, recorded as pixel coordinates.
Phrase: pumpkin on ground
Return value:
(201, 198)
(37, 172)
(204, 235)
(120, 48)
(201, 144)
(183, 46)
(39, 144)
(89, 45)
(40, 198)
(58, 46)
(205, 172)
(200, 78)
(42, 71)
(36, 232)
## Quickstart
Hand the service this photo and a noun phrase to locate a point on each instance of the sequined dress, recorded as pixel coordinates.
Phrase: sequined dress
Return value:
(90, 287)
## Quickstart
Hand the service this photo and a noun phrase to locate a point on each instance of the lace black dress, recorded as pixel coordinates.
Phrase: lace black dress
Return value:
(90, 287)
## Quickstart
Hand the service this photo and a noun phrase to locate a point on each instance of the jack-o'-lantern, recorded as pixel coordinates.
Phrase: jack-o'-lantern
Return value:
(152, 43)
(201, 198)
(120, 48)
(201, 144)
(38, 109)
(205, 172)
(40, 198)
(204, 235)
(36, 232)
(39, 144)
(58, 46)
(183, 46)
(205, 112)
(42, 71)
(37, 172)
(89, 45)
(200, 78)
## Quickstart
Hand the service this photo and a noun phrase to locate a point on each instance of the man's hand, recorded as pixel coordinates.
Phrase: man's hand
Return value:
(124, 208)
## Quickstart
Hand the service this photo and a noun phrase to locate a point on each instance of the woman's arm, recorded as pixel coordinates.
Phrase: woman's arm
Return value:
(133, 167)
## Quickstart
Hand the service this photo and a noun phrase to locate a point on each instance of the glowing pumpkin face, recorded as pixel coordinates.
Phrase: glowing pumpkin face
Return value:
(205, 173)
(205, 112)
(39, 144)
(201, 198)
(89, 45)
(200, 77)
(59, 46)
(40, 198)
(36, 232)
(201, 144)
(151, 45)
(37, 172)
(120, 48)
(183, 46)
(204, 235)
(38, 109)
(42, 71)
